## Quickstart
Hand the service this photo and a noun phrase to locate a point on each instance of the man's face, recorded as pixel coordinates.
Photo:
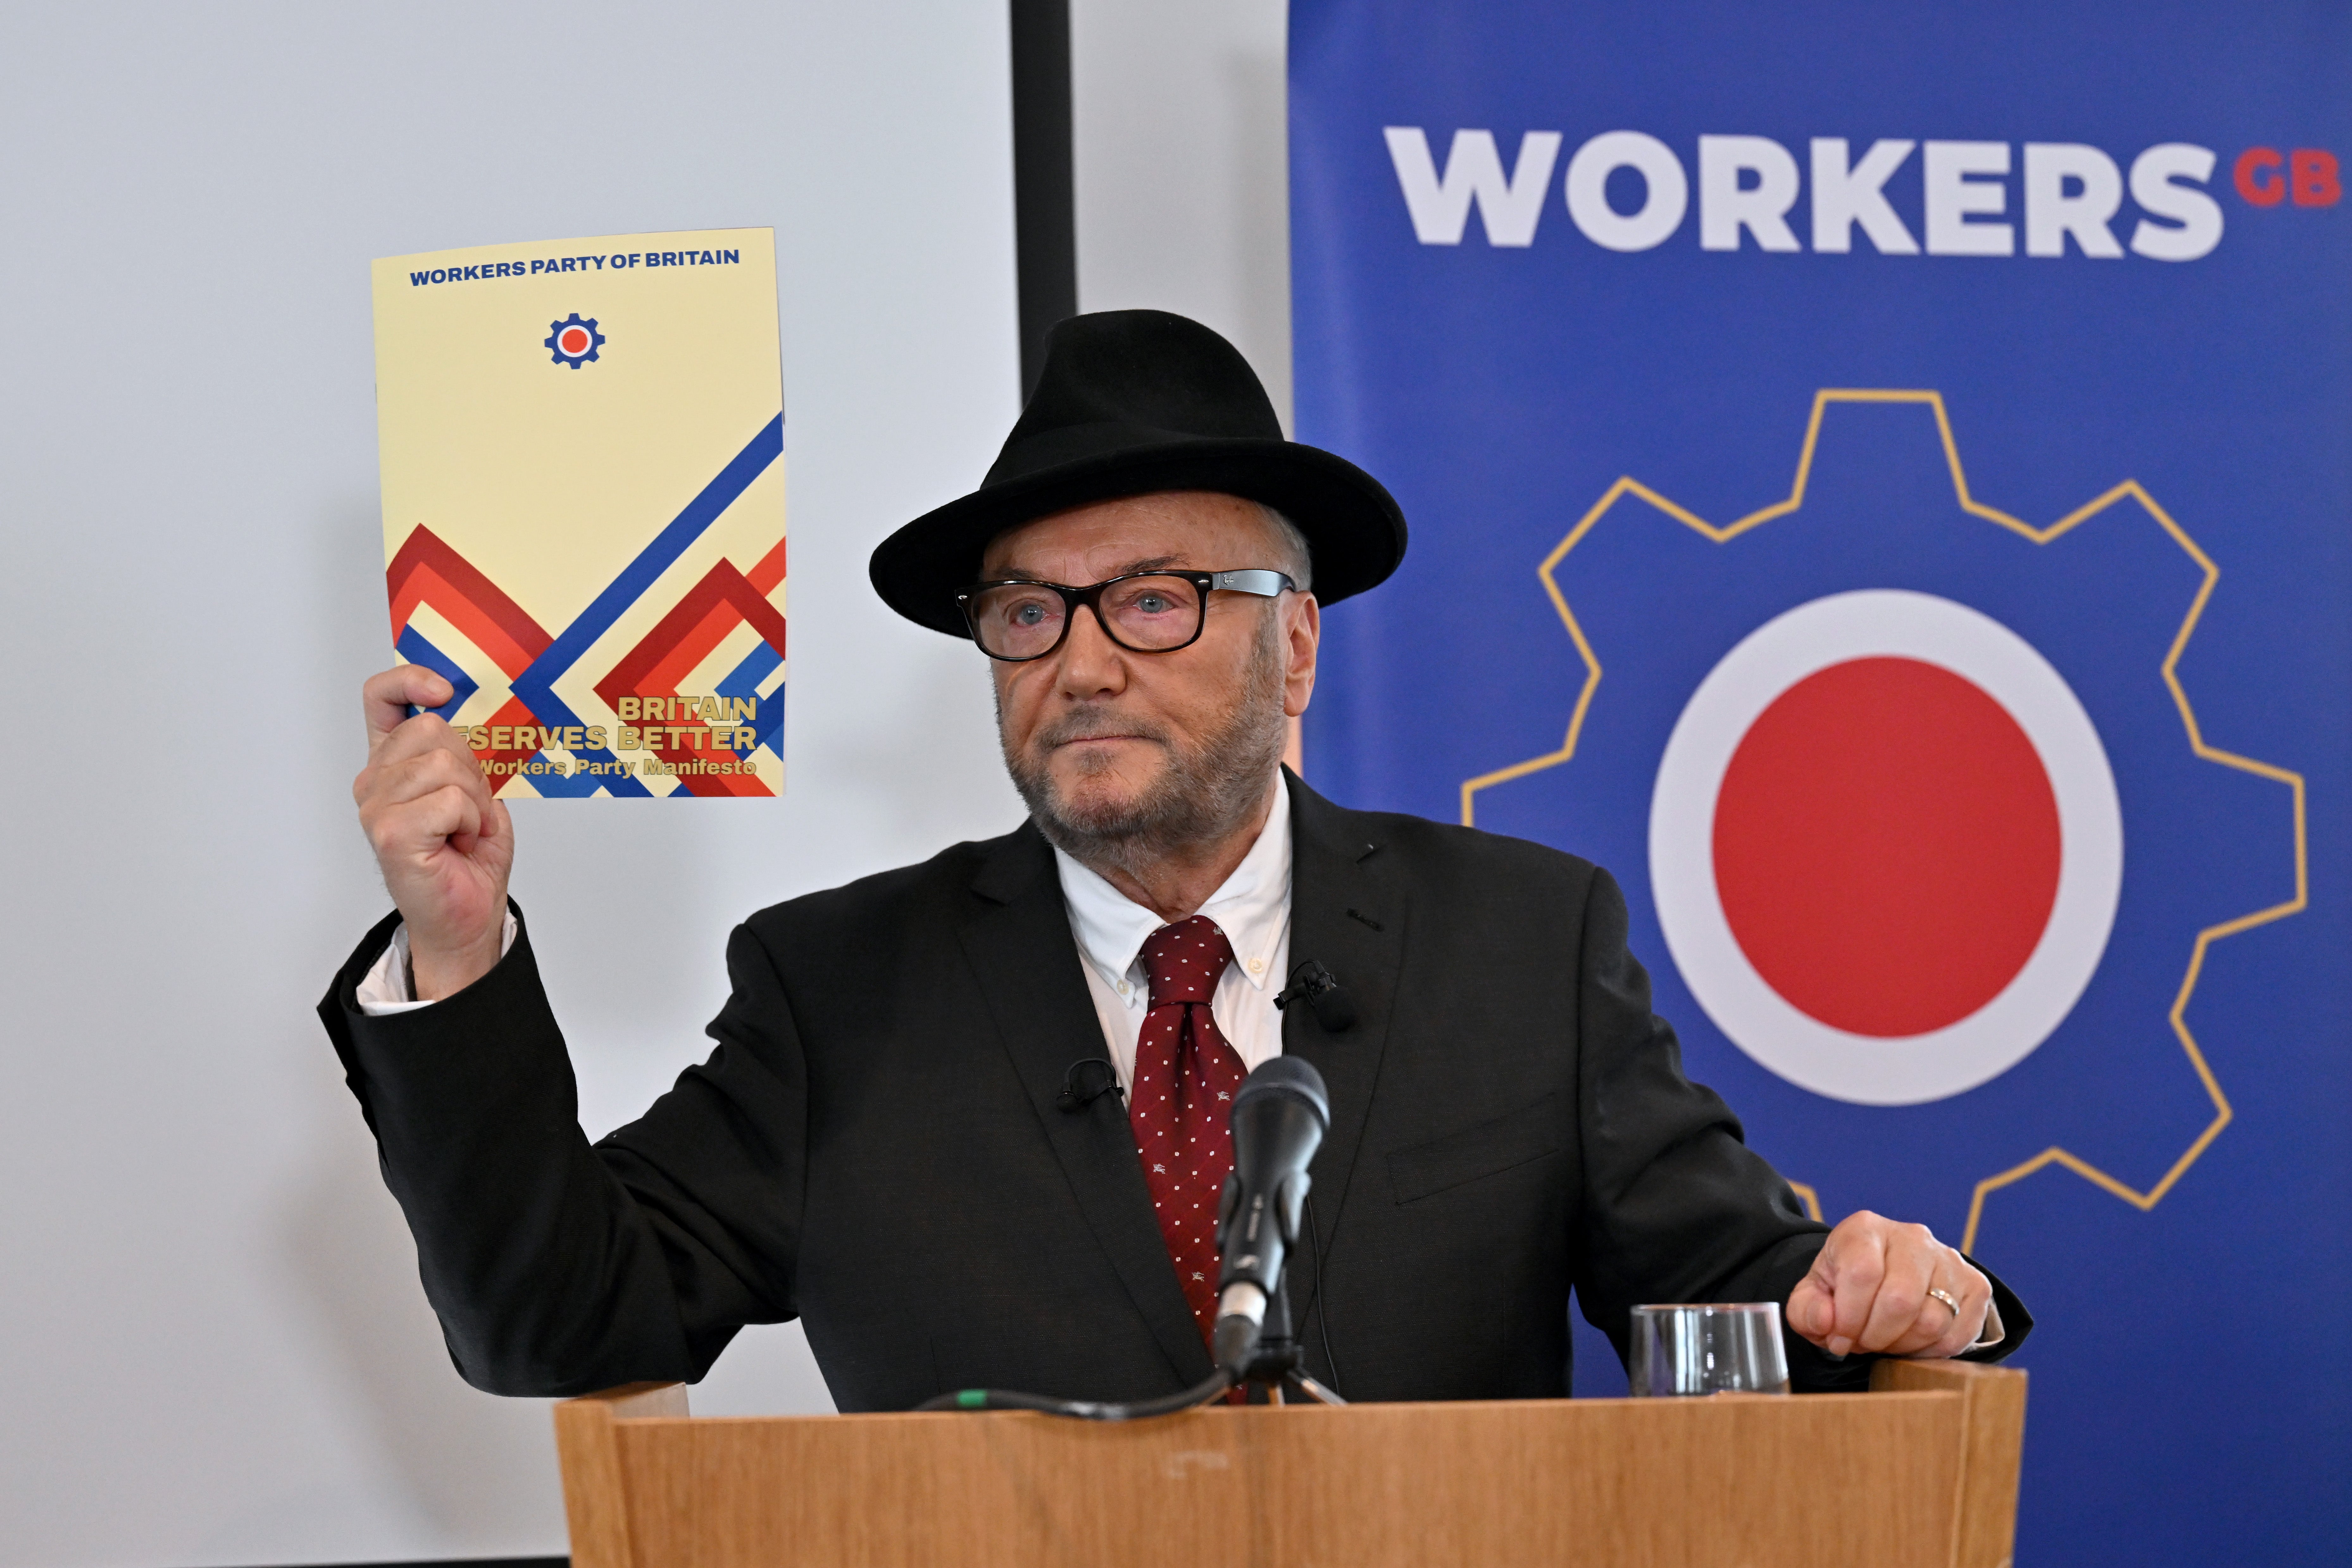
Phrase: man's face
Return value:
(1104, 740)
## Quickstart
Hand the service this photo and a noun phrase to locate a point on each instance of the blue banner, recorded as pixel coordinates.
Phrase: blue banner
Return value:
(1880, 479)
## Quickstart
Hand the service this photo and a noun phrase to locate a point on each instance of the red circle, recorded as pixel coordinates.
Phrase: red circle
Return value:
(1887, 847)
(574, 340)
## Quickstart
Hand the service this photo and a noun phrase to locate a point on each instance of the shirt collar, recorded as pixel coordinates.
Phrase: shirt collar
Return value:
(1252, 907)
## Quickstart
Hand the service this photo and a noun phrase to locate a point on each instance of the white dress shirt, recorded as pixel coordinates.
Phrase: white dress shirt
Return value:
(1252, 907)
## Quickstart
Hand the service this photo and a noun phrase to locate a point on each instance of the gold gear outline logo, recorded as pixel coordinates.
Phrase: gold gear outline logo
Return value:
(2129, 489)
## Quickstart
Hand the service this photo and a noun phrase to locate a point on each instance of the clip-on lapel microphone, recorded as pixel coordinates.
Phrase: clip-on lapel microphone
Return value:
(1081, 1088)
(1320, 990)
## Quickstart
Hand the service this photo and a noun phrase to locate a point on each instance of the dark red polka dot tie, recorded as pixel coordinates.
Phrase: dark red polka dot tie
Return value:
(1185, 1075)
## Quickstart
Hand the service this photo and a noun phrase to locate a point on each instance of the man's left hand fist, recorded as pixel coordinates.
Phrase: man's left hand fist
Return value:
(1869, 1291)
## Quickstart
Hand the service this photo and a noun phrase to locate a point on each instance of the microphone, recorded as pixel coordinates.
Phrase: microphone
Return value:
(1280, 1114)
(1334, 1008)
(1081, 1088)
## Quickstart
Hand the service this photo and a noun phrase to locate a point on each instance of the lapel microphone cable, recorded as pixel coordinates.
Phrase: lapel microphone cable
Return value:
(1322, 1319)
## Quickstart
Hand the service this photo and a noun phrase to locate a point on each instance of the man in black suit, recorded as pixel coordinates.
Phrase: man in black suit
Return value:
(882, 1145)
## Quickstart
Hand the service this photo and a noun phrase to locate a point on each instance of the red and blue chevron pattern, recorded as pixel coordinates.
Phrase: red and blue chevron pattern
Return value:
(501, 651)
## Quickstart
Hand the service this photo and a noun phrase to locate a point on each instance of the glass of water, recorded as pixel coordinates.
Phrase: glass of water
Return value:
(1707, 1348)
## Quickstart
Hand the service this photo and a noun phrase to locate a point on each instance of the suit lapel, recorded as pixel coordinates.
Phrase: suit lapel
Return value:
(1346, 917)
(1020, 947)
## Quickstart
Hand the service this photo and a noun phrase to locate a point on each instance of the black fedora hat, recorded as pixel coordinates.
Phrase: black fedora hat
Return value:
(1129, 403)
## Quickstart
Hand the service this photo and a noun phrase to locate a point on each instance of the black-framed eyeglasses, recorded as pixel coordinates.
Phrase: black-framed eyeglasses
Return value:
(1015, 620)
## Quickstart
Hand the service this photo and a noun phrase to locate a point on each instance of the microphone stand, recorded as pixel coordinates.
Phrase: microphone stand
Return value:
(1277, 1370)
(1277, 1367)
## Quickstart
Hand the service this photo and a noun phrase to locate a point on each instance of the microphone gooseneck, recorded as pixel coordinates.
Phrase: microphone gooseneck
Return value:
(1280, 1114)
(1241, 1318)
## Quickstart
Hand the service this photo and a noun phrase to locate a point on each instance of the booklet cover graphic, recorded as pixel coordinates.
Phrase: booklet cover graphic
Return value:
(583, 506)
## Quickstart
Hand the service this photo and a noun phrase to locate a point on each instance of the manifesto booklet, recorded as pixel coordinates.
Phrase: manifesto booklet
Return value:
(583, 506)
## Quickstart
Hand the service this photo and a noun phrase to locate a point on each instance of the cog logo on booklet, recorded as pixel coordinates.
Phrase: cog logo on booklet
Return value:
(574, 340)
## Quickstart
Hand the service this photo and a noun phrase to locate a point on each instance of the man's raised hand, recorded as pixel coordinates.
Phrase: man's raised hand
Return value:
(1880, 1286)
(445, 846)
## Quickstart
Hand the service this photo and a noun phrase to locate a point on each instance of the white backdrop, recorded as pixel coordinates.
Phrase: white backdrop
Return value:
(215, 1348)
(1182, 173)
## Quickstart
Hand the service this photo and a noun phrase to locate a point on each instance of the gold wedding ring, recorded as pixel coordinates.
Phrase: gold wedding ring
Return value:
(1946, 1297)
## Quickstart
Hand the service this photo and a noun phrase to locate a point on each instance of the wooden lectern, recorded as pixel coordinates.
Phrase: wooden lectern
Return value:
(1922, 1470)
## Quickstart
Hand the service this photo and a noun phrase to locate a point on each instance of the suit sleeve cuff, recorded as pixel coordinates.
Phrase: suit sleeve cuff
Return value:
(386, 988)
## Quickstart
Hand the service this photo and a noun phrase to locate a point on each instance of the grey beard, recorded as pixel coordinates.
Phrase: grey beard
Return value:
(1211, 788)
